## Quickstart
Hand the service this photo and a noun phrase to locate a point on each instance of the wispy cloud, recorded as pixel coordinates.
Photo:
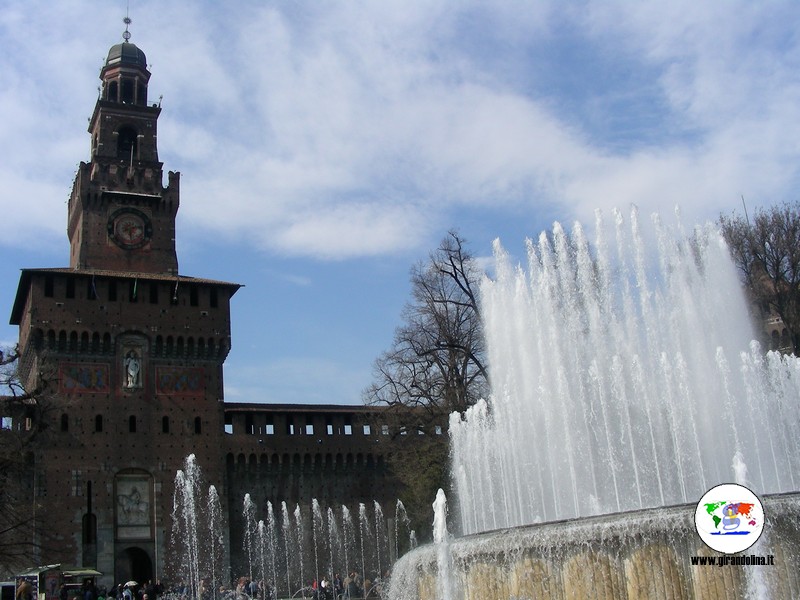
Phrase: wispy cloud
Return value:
(350, 129)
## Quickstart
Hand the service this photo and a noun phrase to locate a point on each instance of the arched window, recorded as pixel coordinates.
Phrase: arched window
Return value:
(128, 89)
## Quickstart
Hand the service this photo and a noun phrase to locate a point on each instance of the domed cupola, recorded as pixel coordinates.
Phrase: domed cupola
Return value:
(125, 73)
(128, 54)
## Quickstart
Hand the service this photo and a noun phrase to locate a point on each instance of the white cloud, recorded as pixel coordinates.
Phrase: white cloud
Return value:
(348, 129)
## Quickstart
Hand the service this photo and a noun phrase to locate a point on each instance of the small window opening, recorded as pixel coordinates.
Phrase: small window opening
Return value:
(128, 88)
(126, 143)
(91, 289)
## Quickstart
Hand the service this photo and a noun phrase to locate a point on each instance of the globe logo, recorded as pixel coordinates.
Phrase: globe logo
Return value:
(729, 518)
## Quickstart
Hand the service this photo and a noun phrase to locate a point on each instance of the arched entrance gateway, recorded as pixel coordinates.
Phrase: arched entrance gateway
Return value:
(135, 530)
(133, 564)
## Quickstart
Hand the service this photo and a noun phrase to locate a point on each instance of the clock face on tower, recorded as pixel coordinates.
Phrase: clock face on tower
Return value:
(129, 228)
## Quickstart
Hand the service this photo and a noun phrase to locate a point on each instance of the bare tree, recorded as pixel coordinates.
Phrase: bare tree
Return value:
(766, 250)
(436, 364)
(23, 427)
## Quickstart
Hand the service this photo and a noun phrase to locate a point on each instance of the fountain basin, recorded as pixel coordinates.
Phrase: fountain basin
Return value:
(631, 555)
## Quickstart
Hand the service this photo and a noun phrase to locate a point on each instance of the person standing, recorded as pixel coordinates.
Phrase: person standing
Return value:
(24, 590)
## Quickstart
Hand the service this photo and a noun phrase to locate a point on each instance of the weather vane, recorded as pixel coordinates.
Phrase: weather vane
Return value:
(127, 20)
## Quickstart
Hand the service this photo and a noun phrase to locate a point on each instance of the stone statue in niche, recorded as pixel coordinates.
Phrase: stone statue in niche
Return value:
(133, 369)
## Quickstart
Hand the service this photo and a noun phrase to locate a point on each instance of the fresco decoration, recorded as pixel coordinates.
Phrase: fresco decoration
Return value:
(84, 377)
(180, 381)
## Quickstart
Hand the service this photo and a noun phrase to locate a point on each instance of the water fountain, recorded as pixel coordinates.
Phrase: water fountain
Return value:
(402, 524)
(321, 543)
(621, 393)
(286, 549)
(197, 525)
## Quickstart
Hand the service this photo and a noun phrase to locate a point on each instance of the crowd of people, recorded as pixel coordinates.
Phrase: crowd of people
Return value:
(351, 587)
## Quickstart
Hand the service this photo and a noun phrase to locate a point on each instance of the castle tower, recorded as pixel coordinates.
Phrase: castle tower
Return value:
(121, 217)
(129, 353)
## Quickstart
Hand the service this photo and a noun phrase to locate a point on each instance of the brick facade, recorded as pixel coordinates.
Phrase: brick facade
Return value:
(133, 354)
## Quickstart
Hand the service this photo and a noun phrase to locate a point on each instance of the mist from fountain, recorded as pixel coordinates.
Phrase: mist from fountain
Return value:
(613, 385)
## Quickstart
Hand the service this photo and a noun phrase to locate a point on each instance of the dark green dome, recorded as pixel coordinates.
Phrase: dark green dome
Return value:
(126, 54)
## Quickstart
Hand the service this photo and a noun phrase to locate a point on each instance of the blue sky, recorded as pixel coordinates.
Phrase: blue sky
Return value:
(325, 147)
